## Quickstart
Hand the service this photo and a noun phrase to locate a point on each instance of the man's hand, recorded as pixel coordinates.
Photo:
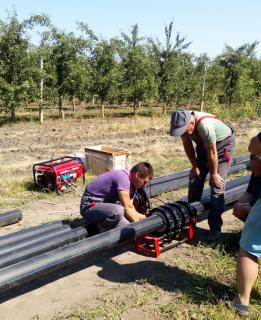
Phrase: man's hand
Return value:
(130, 212)
(194, 172)
(255, 146)
(216, 180)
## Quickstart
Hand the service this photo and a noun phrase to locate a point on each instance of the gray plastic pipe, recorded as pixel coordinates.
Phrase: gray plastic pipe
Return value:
(18, 245)
(181, 179)
(33, 268)
(29, 232)
(10, 217)
(44, 245)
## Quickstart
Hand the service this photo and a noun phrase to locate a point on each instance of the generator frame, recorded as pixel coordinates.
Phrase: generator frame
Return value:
(51, 173)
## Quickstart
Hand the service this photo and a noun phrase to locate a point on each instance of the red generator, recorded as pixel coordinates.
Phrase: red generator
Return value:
(58, 174)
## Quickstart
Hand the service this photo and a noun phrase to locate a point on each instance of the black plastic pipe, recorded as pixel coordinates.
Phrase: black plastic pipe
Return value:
(32, 268)
(231, 196)
(180, 179)
(182, 174)
(18, 245)
(29, 232)
(34, 249)
(10, 217)
(229, 185)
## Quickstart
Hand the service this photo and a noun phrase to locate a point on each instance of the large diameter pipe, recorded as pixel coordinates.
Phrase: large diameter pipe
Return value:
(32, 250)
(241, 181)
(18, 245)
(24, 271)
(10, 217)
(26, 233)
(33, 268)
(182, 174)
(231, 196)
(179, 180)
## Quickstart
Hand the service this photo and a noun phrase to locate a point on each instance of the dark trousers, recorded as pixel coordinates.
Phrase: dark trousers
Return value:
(225, 150)
(108, 215)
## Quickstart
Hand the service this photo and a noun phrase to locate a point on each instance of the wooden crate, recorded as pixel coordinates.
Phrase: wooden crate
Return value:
(102, 158)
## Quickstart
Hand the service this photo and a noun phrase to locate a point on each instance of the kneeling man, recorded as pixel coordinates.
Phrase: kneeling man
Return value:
(107, 201)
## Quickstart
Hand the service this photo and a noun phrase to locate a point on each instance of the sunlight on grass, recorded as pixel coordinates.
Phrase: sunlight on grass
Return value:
(17, 191)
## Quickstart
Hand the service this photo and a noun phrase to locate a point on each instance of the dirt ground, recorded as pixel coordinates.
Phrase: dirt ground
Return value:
(109, 272)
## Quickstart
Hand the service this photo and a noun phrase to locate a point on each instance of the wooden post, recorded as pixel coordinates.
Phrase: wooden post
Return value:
(41, 94)
(203, 88)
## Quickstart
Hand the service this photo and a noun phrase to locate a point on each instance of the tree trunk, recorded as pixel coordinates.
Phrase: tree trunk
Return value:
(134, 109)
(203, 90)
(102, 111)
(93, 101)
(41, 95)
(13, 117)
(27, 103)
(82, 104)
(41, 113)
(74, 103)
(164, 108)
(139, 104)
(60, 104)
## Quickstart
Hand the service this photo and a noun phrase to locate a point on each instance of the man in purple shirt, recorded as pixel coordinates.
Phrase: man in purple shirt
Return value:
(107, 201)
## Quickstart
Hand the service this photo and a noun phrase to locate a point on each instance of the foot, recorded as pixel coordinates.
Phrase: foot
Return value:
(240, 309)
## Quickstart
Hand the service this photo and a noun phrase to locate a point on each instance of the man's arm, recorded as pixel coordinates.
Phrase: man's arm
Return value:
(129, 210)
(189, 149)
(243, 206)
(215, 178)
(255, 145)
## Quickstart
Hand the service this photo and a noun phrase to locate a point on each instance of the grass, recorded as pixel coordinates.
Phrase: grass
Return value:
(18, 192)
(196, 286)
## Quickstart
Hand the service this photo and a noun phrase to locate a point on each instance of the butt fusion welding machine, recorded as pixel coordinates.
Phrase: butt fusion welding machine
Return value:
(58, 174)
(180, 220)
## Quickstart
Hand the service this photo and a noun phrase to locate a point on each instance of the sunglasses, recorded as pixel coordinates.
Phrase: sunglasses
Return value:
(255, 157)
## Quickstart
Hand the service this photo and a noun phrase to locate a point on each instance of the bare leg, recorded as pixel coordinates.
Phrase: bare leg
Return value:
(247, 272)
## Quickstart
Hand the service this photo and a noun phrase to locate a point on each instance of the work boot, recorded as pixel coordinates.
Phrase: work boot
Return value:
(213, 236)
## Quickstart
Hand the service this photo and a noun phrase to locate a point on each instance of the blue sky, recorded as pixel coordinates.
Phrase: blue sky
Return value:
(208, 24)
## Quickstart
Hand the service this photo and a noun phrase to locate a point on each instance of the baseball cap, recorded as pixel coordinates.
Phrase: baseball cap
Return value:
(179, 122)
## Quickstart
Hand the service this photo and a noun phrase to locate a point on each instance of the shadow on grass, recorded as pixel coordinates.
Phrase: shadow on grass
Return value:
(32, 186)
(228, 242)
(4, 120)
(168, 278)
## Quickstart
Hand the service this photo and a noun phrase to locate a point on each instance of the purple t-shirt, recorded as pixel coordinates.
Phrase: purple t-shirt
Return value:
(108, 184)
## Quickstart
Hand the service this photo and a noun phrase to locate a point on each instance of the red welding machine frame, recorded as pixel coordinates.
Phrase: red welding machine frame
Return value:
(58, 174)
(153, 246)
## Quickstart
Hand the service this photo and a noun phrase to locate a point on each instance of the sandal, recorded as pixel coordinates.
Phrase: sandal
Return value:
(240, 309)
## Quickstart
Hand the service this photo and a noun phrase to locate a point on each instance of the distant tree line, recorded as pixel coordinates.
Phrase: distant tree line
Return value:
(127, 69)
